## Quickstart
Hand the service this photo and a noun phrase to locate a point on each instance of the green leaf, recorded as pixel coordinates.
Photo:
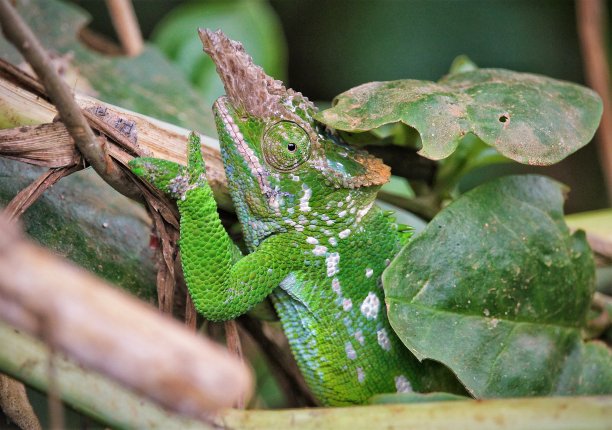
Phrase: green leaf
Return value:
(462, 63)
(472, 154)
(252, 22)
(528, 118)
(498, 290)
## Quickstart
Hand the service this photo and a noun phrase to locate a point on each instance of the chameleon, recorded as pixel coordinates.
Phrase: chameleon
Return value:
(317, 243)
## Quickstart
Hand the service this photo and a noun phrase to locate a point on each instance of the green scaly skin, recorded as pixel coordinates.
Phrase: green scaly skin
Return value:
(317, 244)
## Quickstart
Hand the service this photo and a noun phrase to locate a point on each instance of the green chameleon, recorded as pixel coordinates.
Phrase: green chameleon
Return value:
(317, 243)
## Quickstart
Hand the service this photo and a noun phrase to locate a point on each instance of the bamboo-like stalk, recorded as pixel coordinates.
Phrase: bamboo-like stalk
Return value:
(552, 413)
(112, 404)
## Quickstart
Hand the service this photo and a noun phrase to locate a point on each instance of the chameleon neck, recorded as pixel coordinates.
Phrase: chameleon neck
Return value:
(334, 316)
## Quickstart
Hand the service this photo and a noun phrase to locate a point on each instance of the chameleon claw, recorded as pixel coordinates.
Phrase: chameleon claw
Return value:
(404, 228)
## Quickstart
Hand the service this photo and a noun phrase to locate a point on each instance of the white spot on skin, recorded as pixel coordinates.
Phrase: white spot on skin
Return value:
(324, 217)
(341, 214)
(402, 385)
(332, 261)
(361, 213)
(350, 351)
(340, 204)
(359, 336)
(369, 307)
(290, 210)
(299, 228)
(360, 375)
(336, 288)
(312, 240)
(369, 272)
(330, 222)
(383, 339)
(344, 234)
(347, 304)
(304, 207)
(319, 250)
(295, 178)
(332, 241)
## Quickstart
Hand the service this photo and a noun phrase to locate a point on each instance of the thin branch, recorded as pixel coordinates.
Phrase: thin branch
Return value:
(15, 404)
(592, 16)
(26, 197)
(282, 364)
(19, 34)
(232, 338)
(126, 26)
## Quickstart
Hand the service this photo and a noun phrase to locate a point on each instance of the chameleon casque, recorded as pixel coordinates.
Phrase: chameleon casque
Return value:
(317, 243)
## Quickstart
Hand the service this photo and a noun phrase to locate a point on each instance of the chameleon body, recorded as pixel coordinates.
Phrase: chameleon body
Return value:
(317, 243)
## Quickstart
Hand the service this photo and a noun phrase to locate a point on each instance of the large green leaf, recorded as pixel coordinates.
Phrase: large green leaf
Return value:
(529, 118)
(497, 289)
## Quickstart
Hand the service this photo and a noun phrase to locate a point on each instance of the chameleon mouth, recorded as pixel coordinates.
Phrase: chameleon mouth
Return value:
(222, 111)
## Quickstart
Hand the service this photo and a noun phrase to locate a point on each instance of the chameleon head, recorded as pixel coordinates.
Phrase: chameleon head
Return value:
(283, 167)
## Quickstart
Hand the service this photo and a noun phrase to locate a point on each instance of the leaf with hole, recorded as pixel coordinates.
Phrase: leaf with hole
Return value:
(528, 118)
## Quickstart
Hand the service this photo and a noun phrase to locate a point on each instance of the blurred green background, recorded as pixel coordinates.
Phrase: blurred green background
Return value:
(324, 47)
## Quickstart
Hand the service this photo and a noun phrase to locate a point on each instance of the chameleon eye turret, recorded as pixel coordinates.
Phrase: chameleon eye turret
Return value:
(286, 146)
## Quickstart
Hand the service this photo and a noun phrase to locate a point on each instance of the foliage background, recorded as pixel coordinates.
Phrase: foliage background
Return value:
(333, 45)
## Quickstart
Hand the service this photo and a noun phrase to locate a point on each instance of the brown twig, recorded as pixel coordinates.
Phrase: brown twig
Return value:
(591, 18)
(92, 149)
(31, 144)
(191, 316)
(234, 346)
(126, 26)
(27, 196)
(281, 363)
(15, 404)
(166, 224)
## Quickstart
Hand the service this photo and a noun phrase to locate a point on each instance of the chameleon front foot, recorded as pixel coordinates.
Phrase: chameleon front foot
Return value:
(171, 178)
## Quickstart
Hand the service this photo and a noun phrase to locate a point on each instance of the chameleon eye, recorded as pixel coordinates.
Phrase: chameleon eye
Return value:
(285, 146)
